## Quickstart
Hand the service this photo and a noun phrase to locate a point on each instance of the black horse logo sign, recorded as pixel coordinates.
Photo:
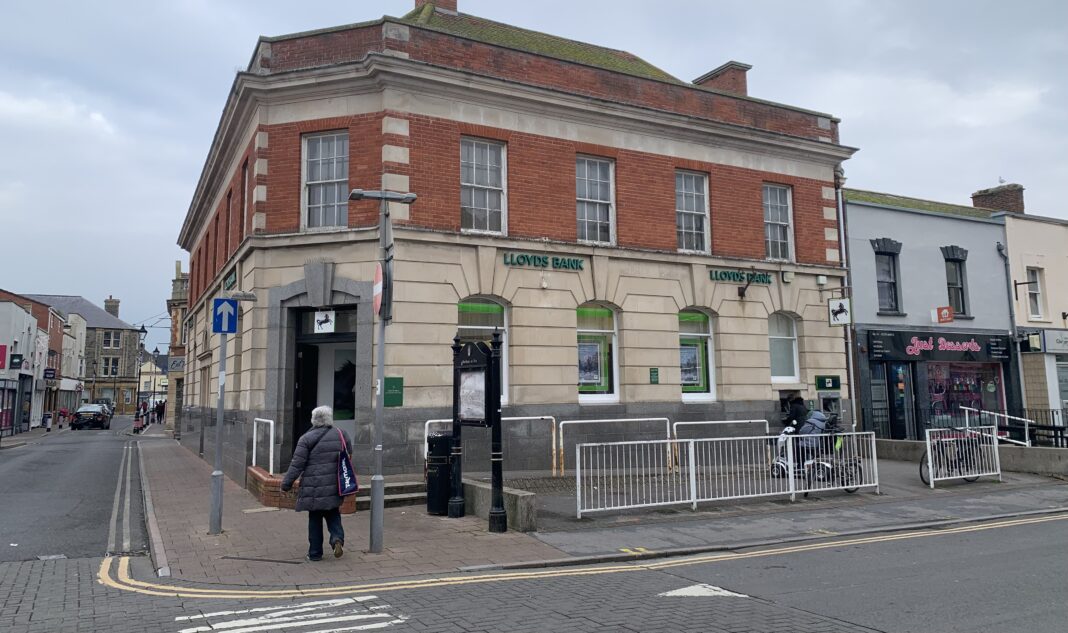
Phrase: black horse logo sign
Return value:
(838, 312)
(323, 321)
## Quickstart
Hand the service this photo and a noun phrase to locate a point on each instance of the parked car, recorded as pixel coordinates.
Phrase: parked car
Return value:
(90, 415)
(108, 407)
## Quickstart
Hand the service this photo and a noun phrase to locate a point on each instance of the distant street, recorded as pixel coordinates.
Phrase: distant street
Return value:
(61, 492)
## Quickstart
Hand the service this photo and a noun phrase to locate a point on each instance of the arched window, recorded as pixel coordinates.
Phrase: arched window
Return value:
(597, 372)
(477, 319)
(782, 339)
(696, 366)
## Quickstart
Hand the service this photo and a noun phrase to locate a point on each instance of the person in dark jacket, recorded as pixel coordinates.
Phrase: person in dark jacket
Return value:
(315, 463)
(798, 412)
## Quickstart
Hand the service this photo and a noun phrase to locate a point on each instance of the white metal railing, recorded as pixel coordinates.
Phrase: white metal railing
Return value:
(675, 425)
(270, 443)
(835, 461)
(1027, 423)
(640, 474)
(548, 418)
(961, 453)
(667, 435)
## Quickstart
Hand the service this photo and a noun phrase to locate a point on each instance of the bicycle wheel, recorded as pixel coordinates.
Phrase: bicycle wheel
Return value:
(925, 475)
(851, 474)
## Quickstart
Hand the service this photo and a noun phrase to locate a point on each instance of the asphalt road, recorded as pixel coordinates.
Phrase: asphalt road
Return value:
(58, 495)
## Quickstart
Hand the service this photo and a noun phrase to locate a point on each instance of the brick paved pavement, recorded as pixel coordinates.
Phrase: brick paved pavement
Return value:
(416, 543)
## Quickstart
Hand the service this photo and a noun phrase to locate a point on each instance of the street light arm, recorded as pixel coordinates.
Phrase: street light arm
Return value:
(389, 196)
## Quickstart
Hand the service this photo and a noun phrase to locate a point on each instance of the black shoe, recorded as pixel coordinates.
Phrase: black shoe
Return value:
(311, 560)
(338, 549)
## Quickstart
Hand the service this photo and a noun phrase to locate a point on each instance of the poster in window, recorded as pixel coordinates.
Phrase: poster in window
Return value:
(690, 364)
(473, 395)
(589, 363)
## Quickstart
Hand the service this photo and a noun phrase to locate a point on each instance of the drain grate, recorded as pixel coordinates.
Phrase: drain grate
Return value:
(52, 557)
(262, 560)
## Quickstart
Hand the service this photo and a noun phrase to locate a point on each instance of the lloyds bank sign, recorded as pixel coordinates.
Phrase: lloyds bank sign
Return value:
(739, 276)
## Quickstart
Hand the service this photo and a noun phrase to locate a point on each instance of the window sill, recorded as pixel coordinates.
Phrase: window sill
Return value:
(963, 317)
(788, 381)
(484, 232)
(1039, 319)
(892, 314)
(685, 251)
(591, 243)
(598, 399)
(698, 398)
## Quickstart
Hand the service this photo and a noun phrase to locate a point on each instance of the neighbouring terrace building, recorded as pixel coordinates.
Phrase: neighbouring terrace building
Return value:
(931, 309)
(648, 246)
(177, 306)
(1038, 261)
(111, 349)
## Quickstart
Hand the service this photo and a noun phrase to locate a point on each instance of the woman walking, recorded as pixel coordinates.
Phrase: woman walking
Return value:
(315, 462)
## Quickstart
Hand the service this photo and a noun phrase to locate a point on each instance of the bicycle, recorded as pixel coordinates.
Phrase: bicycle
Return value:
(953, 455)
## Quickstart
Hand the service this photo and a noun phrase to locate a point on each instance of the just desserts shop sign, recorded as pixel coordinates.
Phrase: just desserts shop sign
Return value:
(886, 345)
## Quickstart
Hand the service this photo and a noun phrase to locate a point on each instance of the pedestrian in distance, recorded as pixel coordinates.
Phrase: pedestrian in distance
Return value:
(315, 462)
(159, 412)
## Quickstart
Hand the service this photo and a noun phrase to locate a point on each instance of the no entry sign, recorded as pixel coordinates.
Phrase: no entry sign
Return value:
(377, 300)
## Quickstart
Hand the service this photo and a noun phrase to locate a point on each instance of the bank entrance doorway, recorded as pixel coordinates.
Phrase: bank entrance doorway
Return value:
(326, 365)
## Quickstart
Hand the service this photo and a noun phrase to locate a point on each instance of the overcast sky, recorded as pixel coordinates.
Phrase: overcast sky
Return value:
(107, 108)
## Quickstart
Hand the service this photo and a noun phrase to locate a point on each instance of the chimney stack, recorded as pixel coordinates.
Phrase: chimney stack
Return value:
(1003, 198)
(111, 306)
(729, 77)
(448, 6)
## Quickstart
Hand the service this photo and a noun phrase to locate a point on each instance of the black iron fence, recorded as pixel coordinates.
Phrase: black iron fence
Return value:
(1044, 427)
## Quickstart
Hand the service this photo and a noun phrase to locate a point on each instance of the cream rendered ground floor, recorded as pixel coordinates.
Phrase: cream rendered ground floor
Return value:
(589, 333)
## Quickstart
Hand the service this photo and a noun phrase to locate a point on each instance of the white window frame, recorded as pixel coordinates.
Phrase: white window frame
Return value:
(505, 367)
(111, 366)
(111, 339)
(611, 202)
(603, 398)
(710, 351)
(789, 226)
(1034, 288)
(706, 215)
(304, 184)
(796, 378)
(503, 188)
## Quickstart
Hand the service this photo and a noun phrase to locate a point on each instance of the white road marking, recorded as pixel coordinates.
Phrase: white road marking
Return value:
(700, 591)
(267, 624)
(126, 509)
(299, 614)
(113, 527)
(317, 603)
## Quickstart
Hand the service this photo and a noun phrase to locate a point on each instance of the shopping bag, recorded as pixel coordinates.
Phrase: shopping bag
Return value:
(346, 476)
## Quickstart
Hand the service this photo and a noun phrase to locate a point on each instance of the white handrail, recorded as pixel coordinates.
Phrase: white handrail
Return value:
(675, 426)
(551, 419)
(666, 421)
(1027, 423)
(270, 449)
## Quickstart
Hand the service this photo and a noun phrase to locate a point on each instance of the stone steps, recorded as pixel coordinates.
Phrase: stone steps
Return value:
(401, 493)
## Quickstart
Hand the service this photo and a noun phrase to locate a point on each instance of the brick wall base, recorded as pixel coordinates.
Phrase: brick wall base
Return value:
(267, 489)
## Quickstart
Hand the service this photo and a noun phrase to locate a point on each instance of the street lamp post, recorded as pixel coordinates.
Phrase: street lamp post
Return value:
(385, 315)
(215, 520)
(142, 333)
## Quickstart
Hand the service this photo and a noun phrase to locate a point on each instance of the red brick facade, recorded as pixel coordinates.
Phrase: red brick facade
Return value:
(541, 169)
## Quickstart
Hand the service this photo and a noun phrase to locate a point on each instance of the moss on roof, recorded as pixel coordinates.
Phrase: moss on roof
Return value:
(891, 200)
(507, 36)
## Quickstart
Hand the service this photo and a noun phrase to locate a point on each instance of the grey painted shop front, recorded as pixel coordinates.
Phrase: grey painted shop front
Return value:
(917, 362)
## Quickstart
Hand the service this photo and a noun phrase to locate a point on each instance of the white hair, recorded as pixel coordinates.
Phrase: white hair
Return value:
(322, 416)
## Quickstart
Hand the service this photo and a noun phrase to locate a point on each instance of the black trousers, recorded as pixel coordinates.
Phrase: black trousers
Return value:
(315, 530)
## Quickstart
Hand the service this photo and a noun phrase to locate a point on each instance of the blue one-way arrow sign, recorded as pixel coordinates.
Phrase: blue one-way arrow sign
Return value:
(224, 316)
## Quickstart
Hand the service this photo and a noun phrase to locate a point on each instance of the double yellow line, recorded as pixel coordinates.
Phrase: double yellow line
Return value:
(115, 571)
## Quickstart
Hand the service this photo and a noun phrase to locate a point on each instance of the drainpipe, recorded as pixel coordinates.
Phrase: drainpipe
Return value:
(1004, 252)
(847, 291)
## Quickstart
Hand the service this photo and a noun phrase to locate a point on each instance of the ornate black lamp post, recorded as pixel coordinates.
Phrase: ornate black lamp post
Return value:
(498, 517)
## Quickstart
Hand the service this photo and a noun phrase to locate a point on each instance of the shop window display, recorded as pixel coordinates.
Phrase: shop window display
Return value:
(955, 385)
